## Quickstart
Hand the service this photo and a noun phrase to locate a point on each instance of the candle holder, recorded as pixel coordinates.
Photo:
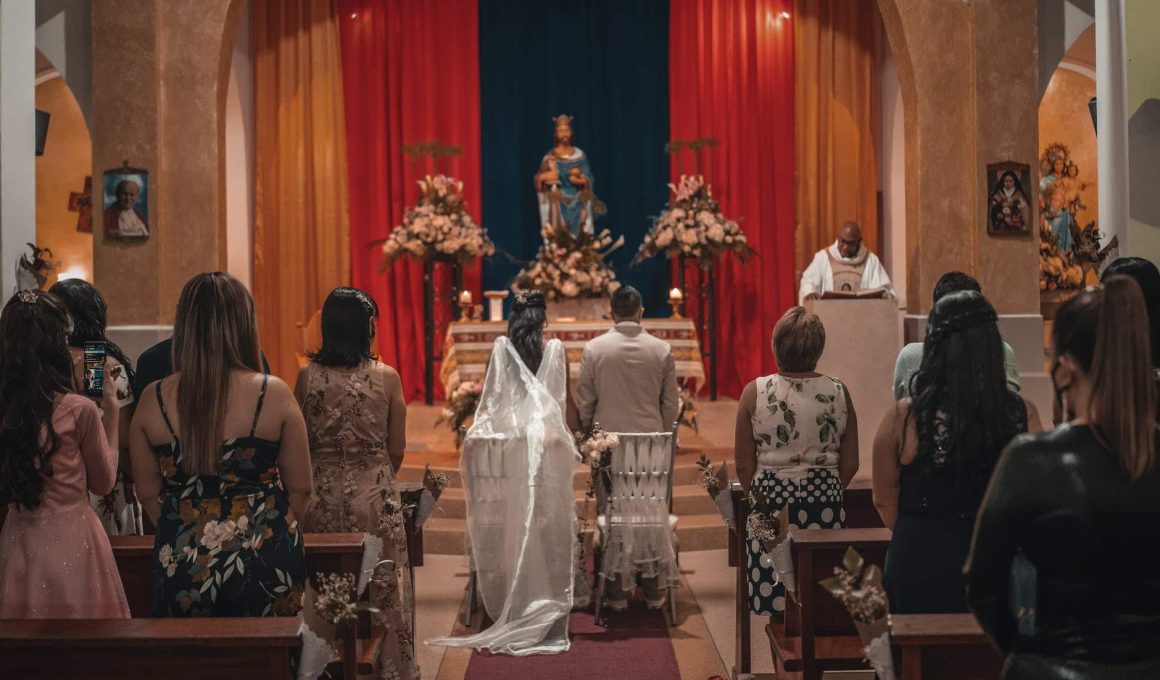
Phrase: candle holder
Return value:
(676, 299)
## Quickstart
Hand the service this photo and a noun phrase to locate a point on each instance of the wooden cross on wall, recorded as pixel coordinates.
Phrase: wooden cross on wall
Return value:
(82, 203)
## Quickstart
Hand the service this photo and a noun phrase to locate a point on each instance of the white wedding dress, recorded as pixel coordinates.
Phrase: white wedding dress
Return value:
(517, 465)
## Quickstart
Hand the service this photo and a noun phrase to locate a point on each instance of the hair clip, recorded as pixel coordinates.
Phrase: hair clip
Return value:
(28, 297)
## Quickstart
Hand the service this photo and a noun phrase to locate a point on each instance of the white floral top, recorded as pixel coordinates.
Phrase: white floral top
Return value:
(798, 424)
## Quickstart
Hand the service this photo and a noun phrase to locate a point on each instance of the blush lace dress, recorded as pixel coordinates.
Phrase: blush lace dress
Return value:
(347, 413)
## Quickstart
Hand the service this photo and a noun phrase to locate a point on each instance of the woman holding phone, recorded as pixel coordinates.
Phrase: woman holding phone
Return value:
(119, 510)
(55, 559)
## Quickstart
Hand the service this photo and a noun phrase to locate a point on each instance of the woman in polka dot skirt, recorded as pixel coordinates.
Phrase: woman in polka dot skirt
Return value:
(796, 443)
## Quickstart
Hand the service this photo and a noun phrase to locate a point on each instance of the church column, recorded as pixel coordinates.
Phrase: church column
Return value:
(1112, 121)
(17, 137)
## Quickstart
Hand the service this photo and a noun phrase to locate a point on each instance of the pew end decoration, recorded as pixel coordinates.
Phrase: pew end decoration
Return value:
(328, 610)
(571, 266)
(858, 587)
(460, 409)
(433, 485)
(687, 409)
(770, 525)
(438, 227)
(716, 482)
(692, 226)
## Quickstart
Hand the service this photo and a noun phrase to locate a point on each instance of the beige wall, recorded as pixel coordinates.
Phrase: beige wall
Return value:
(1064, 117)
(160, 69)
(969, 99)
(67, 159)
(1141, 17)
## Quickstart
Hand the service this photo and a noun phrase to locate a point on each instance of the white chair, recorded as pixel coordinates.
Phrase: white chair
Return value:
(485, 466)
(637, 517)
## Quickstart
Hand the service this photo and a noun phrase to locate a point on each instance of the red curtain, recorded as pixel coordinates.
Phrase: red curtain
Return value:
(731, 77)
(410, 73)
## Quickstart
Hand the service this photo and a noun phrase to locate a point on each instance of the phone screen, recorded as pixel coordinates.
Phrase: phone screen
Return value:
(94, 368)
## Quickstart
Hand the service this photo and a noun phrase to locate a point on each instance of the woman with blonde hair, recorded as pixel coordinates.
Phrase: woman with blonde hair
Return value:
(796, 444)
(222, 465)
(1079, 508)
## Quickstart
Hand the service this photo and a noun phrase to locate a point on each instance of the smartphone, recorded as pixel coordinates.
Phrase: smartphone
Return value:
(95, 369)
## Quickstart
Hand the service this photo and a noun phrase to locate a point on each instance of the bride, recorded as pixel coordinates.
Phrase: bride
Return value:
(517, 464)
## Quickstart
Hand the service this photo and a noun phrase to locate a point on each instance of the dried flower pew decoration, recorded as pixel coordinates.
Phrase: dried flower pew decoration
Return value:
(859, 588)
(715, 481)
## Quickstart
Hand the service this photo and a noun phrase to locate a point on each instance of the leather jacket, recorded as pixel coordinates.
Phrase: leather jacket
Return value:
(1062, 502)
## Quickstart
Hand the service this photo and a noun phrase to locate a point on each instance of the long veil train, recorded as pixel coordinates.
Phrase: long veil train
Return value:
(517, 465)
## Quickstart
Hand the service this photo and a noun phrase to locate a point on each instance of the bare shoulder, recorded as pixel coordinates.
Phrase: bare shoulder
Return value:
(391, 377)
(749, 395)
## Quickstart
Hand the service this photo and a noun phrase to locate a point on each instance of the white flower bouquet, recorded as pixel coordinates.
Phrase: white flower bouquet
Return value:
(692, 225)
(571, 266)
(859, 588)
(438, 227)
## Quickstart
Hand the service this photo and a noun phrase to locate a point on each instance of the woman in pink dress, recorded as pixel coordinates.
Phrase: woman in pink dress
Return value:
(55, 559)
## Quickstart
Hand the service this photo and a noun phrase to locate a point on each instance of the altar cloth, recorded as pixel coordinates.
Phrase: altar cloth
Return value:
(467, 347)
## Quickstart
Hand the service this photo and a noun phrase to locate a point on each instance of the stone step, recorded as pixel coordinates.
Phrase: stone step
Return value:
(687, 500)
(445, 536)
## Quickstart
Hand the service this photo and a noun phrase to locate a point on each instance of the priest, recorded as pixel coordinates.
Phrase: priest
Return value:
(847, 265)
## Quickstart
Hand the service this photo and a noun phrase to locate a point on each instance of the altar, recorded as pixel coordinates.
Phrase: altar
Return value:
(467, 347)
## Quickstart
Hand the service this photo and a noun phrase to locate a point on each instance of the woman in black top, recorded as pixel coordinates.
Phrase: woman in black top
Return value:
(1081, 505)
(934, 453)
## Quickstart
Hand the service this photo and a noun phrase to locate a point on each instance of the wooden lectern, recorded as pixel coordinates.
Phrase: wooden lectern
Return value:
(863, 338)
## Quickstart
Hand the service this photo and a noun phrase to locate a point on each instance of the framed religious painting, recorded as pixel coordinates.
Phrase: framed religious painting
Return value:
(126, 203)
(1008, 201)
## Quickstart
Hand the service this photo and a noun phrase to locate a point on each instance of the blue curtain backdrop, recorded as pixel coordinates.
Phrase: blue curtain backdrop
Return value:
(604, 62)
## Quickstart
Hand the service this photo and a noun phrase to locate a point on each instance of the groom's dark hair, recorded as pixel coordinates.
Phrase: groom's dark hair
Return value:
(626, 302)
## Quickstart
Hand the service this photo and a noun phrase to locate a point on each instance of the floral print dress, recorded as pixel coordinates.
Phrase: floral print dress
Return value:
(798, 424)
(347, 413)
(228, 544)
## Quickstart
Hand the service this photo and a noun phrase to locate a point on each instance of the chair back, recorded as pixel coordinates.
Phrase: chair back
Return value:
(641, 471)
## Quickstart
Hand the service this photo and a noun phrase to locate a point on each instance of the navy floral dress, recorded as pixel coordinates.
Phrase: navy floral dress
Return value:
(229, 544)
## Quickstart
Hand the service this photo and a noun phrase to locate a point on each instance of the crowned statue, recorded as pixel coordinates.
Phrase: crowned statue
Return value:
(564, 185)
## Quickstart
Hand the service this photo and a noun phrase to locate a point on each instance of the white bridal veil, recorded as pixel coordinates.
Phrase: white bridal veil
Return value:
(517, 465)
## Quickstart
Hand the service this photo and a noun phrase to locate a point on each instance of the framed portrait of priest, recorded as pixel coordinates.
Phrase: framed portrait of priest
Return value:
(126, 204)
(1008, 202)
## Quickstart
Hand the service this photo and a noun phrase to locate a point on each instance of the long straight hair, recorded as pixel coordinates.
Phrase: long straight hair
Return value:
(214, 333)
(1105, 330)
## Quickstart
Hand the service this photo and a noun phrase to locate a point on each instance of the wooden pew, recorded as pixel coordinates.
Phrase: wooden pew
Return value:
(860, 514)
(944, 646)
(325, 553)
(338, 553)
(818, 634)
(177, 649)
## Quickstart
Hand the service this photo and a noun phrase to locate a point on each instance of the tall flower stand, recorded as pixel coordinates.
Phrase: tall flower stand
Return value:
(431, 293)
(706, 313)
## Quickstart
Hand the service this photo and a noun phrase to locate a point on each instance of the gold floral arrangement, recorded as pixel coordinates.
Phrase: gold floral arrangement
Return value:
(570, 266)
(692, 225)
(438, 226)
(460, 408)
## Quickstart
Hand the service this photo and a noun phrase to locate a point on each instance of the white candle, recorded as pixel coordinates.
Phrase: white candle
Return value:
(675, 295)
(465, 297)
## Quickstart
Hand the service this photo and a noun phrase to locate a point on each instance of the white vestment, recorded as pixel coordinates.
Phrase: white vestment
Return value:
(517, 463)
(819, 276)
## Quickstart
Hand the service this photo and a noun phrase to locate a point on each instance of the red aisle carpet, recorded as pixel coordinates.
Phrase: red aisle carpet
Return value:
(635, 646)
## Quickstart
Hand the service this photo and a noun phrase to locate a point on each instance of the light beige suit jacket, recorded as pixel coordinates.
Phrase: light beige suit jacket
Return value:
(628, 381)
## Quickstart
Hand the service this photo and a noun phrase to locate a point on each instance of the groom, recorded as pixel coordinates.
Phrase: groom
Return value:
(628, 383)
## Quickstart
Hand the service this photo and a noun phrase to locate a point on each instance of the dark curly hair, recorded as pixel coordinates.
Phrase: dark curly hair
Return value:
(35, 368)
(346, 328)
(964, 412)
(90, 318)
(526, 328)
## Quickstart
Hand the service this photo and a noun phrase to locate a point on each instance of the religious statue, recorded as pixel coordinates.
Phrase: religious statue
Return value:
(1059, 198)
(564, 184)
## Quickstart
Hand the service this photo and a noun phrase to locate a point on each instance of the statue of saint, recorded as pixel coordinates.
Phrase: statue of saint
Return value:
(564, 184)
